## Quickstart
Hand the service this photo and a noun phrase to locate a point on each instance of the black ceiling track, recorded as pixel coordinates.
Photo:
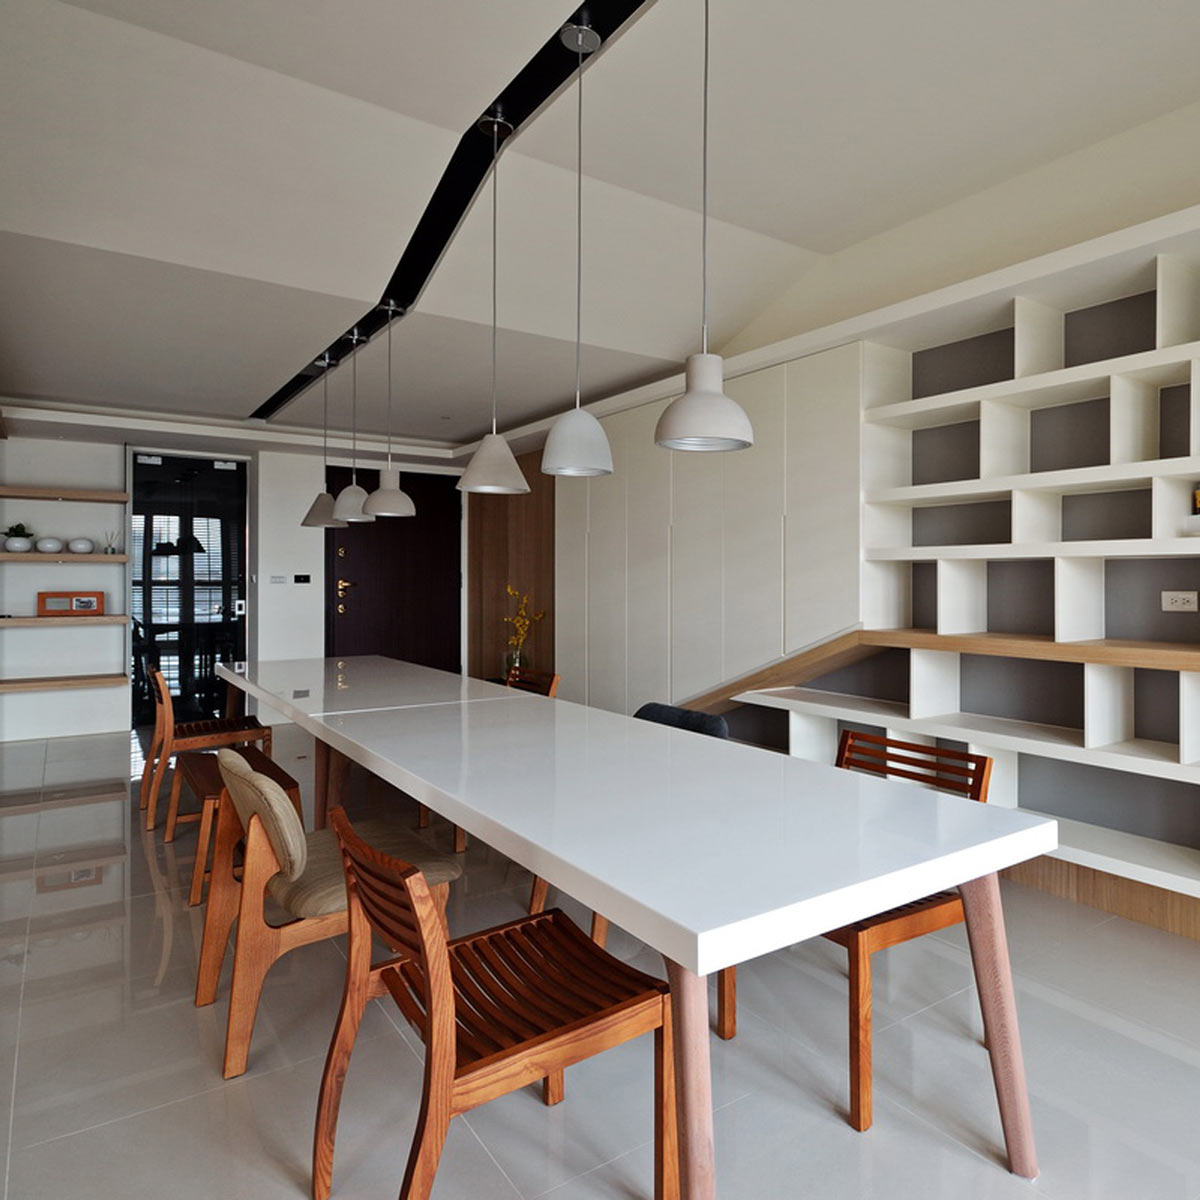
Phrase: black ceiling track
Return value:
(465, 174)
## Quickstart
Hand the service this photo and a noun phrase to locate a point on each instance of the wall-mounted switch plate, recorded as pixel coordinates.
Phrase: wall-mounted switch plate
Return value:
(302, 579)
(1179, 602)
(279, 579)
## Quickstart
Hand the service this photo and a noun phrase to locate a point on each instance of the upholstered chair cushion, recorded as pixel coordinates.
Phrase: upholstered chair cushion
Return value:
(256, 795)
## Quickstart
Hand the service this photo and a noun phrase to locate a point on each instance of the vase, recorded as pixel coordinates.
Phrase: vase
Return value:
(516, 659)
(18, 545)
(81, 545)
(49, 545)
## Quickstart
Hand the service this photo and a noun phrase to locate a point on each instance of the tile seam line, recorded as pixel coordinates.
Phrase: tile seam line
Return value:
(208, 1091)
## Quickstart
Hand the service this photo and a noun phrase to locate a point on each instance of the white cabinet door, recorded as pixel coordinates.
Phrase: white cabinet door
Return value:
(570, 587)
(606, 576)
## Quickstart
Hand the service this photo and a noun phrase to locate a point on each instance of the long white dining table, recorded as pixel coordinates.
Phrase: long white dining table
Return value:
(710, 851)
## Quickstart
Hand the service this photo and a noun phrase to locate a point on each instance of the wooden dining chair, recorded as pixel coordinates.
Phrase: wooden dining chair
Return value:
(171, 737)
(711, 725)
(544, 683)
(496, 1010)
(301, 872)
(937, 767)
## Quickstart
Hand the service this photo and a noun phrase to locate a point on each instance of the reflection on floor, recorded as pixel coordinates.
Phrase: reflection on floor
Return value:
(110, 1079)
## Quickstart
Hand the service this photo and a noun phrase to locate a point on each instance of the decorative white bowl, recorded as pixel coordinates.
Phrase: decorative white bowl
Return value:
(81, 546)
(18, 545)
(49, 545)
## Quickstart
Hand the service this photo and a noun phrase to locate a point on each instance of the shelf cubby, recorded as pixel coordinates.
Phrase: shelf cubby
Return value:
(946, 453)
(1107, 516)
(967, 363)
(978, 522)
(1132, 600)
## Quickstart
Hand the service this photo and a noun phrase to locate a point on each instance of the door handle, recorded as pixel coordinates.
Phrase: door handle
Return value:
(345, 583)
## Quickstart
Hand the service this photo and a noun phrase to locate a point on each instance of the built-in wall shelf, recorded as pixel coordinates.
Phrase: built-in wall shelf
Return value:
(61, 683)
(1112, 548)
(43, 622)
(1163, 656)
(32, 556)
(20, 491)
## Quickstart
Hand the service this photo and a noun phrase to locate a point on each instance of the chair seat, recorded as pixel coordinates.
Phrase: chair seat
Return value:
(943, 908)
(321, 888)
(534, 976)
(217, 725)
(203, 774)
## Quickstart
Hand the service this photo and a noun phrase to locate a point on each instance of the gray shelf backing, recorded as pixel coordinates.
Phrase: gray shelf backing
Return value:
(1109, 330)
(1174, 421)
(945, 453)
(962, 524)
(1069, 436)
(883, 676)
(1022, 689)
(972, 362)
(1133, 590)
(1103, 516)
(1020, 596)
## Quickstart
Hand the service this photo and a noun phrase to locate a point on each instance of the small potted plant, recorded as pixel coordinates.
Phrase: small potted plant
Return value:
(18, 539)
(522, 621)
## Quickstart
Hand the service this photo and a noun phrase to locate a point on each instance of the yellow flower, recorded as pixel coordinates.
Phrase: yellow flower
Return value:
(522, 620)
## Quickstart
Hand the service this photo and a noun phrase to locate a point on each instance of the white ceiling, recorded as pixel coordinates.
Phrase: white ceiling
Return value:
(198, 197)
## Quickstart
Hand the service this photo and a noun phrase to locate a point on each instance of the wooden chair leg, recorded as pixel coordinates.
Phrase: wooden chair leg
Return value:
(666, 1126)
(727, 1003)
(147, 772)
(460, 840)
(160, 769)
(173, 805)
(224, 893)
(428, 1140)
(860, 1033)
(553, 1088)
(422, 816)
(200, 867)
(599, 929)
(267, 742)
(537, 895)
(337, 1063)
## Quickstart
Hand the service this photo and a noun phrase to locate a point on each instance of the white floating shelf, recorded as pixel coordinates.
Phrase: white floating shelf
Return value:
(1115, 548)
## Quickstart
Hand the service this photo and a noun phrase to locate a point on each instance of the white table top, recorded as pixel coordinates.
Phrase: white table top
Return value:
(708, 850)
(301, 687)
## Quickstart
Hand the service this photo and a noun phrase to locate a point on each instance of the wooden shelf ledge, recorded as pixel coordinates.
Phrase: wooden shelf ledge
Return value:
(1114, 652)
(39, 622)
(32, 556)
(20, 491)
(61, 683)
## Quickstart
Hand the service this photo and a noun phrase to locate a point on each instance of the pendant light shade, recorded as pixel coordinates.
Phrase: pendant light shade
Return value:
(704, 418)
(577, 445)
(493, 470)
(387, 500)
(320, 514)
(349, 503)
(320, 511)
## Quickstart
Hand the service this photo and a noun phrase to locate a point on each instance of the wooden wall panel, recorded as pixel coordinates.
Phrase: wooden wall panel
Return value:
(510, 539)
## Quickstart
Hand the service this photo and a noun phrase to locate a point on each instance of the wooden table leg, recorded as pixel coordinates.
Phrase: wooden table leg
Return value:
(993, 978)
(693, 1083)
(331, 769)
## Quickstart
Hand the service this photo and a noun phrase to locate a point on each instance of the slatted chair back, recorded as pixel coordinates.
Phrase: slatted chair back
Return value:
(393, 899)
(164, 708)
(939, 767)
(544, 683)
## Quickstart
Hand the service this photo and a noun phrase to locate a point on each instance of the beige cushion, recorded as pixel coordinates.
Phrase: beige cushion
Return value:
(321, 889)
(256, 795)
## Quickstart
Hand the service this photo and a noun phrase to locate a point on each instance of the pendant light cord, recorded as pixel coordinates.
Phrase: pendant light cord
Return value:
(325, 418)
(391, 311)
(495, 168)
(579, 231)
(354, 408)
(704, 201)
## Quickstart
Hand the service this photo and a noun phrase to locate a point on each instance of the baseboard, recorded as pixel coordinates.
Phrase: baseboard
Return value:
(1170, 911)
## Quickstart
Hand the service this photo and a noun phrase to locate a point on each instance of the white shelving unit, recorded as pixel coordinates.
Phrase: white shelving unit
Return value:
(1038, 505)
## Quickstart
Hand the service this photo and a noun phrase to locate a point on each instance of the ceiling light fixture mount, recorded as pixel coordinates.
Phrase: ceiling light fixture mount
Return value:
(493, 470)
(577, 444)
(704, 418)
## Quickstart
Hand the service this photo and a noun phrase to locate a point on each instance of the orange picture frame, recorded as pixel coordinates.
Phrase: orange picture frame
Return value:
(70, 604)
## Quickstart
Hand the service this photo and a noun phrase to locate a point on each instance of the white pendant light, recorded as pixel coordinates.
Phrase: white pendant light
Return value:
(320, 511)
(704, 418)
(387, 500)
(577, 443)
(349, 504)
(493, 470)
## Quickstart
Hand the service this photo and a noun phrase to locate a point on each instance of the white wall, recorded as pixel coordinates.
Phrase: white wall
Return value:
(65, 651)
(681, 571)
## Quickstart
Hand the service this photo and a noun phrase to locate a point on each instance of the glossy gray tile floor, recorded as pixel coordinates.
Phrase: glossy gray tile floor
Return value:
(110, 1079)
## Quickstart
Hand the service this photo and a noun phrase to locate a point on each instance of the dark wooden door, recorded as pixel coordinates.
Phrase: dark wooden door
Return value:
(401, 579)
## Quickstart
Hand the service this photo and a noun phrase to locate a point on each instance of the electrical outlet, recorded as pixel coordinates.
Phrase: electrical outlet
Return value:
(1179, 602)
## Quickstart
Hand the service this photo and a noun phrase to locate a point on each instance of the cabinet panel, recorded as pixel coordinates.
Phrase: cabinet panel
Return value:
(606, 577)
(648, 585)
(753, 528)
(821, 566)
